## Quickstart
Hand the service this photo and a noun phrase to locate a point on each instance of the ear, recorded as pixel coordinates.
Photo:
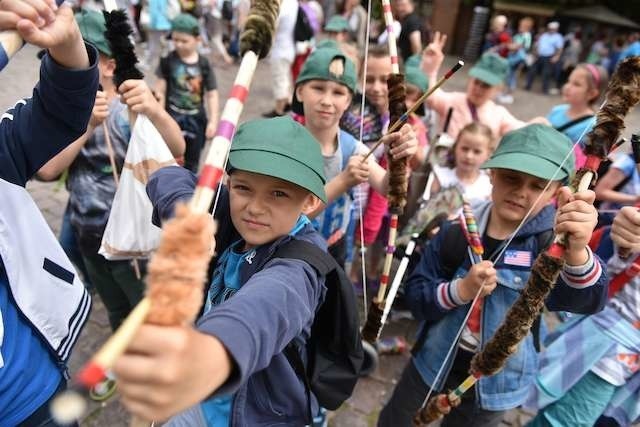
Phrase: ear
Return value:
(491, 173)
(110, 67)
(299, 91)
(311, 204)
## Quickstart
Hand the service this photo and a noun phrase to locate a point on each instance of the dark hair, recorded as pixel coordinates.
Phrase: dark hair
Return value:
(474, 128)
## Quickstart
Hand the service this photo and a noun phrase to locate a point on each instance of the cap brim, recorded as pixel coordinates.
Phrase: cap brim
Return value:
(527, 163)
(485, 76)
(278, 166)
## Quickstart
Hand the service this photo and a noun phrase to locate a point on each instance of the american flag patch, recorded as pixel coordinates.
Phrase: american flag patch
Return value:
(519, 258)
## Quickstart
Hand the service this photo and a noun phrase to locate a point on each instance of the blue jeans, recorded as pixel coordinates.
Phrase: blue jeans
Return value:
(69, 244)
(42, 416)
(549, 70)
(512, 77)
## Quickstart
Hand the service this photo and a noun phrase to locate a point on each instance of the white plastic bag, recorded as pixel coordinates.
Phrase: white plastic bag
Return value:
(130, 233)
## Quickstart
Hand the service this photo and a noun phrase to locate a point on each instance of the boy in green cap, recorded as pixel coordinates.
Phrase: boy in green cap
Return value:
(185, 80)
(323, 92)
(255, 305)
(527, 172)
(337, 28)
(476, 104)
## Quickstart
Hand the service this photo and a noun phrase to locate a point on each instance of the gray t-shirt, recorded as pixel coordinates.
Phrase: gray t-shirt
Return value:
(332, 223)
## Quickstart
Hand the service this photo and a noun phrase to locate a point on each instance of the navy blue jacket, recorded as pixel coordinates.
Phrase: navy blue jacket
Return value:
(275, 306)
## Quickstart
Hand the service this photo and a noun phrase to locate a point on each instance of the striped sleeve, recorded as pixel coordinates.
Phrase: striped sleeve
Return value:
(447, 295)
(582, 276)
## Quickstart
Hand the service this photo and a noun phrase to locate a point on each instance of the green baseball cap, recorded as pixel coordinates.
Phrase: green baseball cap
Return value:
(491, 69)
(537, 150)
(92, 28)
(415, 77)
(326, 63)
(281, 148)
(337, 24)
(185, 23)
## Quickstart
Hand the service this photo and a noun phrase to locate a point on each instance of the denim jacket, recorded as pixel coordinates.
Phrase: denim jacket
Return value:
(275, 306)
(508, 388)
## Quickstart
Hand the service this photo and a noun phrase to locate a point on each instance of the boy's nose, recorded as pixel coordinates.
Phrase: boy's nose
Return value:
(255, 206)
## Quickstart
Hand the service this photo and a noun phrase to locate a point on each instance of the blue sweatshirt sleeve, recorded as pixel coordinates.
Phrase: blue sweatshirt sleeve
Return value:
(586, 298)
(38, 128)
(168, 186)
(425, 281)
(266, 314)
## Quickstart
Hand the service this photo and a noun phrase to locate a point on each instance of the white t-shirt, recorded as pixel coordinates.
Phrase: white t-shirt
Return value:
(478, 191)
(283, 43)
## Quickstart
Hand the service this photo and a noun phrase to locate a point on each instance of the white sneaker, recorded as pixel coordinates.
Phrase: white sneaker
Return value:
(554, 91)
(505, 98)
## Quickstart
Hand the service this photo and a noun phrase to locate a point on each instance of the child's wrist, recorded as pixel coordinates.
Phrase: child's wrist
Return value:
(577, 257)
(457, 293)
(71, 53)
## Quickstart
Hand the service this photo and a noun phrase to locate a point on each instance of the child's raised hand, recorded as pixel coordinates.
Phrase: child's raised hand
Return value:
(356, 172)
(139, 97)
(480, 275)
(43, 24)
(576, 218)
(39, 12)
(625, 230)
(433, 54)
(168, 369)
(100, 110)
(403, 143)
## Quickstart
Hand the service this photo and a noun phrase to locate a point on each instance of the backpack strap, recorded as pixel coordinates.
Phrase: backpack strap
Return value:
(292, 354)
(347, 147)
(323, 263)
(320, 260)
(575, 121)
(452, 253)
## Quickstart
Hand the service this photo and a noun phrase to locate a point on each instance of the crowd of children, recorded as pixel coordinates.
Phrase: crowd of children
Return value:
(302, 181)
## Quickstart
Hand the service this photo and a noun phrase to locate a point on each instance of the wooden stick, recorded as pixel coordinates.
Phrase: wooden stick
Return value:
(94, 371)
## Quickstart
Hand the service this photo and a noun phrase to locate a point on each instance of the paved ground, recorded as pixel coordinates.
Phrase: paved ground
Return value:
(17, 81)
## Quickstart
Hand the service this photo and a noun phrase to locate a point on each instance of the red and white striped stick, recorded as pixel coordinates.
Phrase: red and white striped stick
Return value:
(393, 223)
(391, 37)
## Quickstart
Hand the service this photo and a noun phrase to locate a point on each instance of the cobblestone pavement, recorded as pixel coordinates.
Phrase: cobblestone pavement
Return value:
(361, 410)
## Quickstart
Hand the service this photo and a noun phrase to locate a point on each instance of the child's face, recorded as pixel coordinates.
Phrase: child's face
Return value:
(264, 208)
(479, 92)
(375, 89)
(339, 36)
(472, 150)
(413, 93)
(576, 91)
(514, 193)
(324, 102)
(185, 44)
(106, 67)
